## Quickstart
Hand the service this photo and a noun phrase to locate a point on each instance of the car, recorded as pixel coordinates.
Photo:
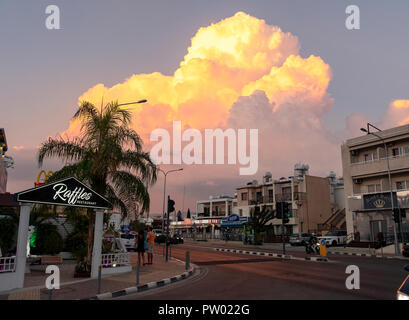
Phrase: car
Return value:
(157, 232)
(403, 291)
(129, 240)
(176, 238)
(299, 238)
(334, 238)
(405, 250)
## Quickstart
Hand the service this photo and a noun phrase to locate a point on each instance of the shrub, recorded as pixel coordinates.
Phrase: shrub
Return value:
(48, 240)
(76, 244)
(7, 229)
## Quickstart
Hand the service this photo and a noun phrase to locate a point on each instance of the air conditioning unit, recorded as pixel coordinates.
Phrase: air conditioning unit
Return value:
(358, 181)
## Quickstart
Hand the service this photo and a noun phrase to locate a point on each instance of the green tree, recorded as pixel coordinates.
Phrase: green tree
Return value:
(258, 221)
(107, 156)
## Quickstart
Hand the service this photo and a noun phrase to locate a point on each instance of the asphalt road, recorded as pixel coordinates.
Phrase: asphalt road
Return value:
(244, 277)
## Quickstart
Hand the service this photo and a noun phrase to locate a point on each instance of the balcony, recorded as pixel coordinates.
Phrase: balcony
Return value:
(396, 163)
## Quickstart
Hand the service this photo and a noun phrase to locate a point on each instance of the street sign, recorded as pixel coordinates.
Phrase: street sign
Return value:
(67, 192)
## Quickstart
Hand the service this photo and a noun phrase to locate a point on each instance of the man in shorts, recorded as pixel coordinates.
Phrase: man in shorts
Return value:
(151, 242)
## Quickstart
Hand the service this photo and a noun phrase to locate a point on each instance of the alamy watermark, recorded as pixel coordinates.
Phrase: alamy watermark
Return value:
(214, 147)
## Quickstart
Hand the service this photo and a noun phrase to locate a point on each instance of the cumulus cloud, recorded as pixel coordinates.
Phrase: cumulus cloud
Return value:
(286, 134)
(397, 114)
(228, 59)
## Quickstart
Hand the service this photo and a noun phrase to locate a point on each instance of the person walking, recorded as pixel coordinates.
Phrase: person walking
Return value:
(141, 247)
(151, 242)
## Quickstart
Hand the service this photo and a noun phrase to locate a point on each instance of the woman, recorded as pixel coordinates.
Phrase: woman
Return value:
(141, 247)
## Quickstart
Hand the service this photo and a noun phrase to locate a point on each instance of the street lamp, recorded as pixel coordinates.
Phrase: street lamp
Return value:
(164, 193)
(367, 130)
(140, 101)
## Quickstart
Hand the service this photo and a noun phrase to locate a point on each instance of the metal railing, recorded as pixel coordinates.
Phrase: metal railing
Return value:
(8, 264)
(380, 159)
(110, 260)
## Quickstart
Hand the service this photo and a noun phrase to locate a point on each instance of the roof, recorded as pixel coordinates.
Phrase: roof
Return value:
(388, 134)
(7, 200)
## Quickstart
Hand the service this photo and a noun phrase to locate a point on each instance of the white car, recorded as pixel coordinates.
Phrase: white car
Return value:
(334, 238)
(129, 240)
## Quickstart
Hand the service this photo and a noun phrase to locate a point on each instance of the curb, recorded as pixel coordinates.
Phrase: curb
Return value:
(274, 255)
(144, 287)
(365, 255)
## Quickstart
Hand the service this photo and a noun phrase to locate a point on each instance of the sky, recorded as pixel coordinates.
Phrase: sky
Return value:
(289, 68)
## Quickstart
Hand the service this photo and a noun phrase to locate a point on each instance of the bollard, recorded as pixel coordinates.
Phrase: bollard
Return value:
(99, 279)
(187, 260)
(50, 294)
(137, 273)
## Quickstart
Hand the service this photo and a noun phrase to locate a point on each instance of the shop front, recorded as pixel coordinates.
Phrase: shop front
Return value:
(234, 227)
(375, 218)
(198, 228)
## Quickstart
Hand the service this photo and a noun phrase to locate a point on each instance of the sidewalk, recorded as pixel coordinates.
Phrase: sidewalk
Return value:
(295, 249)
(73, 288)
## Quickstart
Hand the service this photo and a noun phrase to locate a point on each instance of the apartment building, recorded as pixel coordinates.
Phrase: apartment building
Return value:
(366, 183)
(309, 199)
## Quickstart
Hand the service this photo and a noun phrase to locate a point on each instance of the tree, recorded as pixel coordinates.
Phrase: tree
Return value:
(258, 221)
(179, 216)
(188, 214)
(107, 156)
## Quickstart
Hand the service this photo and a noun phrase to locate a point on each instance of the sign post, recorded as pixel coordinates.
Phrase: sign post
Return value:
(66, 192)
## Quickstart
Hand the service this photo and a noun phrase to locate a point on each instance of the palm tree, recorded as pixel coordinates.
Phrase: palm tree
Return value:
(108, 156)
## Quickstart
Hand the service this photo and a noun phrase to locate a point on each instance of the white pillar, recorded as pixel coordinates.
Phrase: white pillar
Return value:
(97, 248)
(21, 254)
(227, 209)
(211, 209)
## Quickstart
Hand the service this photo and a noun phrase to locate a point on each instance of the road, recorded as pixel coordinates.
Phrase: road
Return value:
(245, 277)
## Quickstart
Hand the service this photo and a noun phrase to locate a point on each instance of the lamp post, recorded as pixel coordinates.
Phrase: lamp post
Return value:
(165, 173)
(389, 177)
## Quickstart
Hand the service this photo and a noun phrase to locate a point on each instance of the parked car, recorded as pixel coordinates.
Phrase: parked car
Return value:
(160, 239)
(129, 240)
(176, 238)
(157, 232)
(299, 239)
(403, 291)
(334, 238)
(405, 250)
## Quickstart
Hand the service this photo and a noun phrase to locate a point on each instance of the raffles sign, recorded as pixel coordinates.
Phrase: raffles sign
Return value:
(66, 192)
(379, 201)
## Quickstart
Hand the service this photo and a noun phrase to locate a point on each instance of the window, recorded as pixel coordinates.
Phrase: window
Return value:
(244, 196)
(240, 212)
(395, 152)
(374, 188)
(405, 150)
(369, 157)
(400, 185)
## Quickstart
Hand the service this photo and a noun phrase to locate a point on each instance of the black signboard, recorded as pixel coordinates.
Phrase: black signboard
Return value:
(67, 192)
(380, 201)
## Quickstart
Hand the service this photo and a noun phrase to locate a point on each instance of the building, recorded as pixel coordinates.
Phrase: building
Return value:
(207, 221)
(367, 189)
(311, 199)
(3, 172)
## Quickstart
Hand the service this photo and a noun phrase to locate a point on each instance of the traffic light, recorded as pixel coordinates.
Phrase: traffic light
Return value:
(279, 212)
(286, 212)
(171, 205)
(396, 215)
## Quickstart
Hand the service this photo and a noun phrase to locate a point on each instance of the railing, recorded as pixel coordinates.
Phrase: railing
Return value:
(8, 264)
(115, 260)
(380, 159)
